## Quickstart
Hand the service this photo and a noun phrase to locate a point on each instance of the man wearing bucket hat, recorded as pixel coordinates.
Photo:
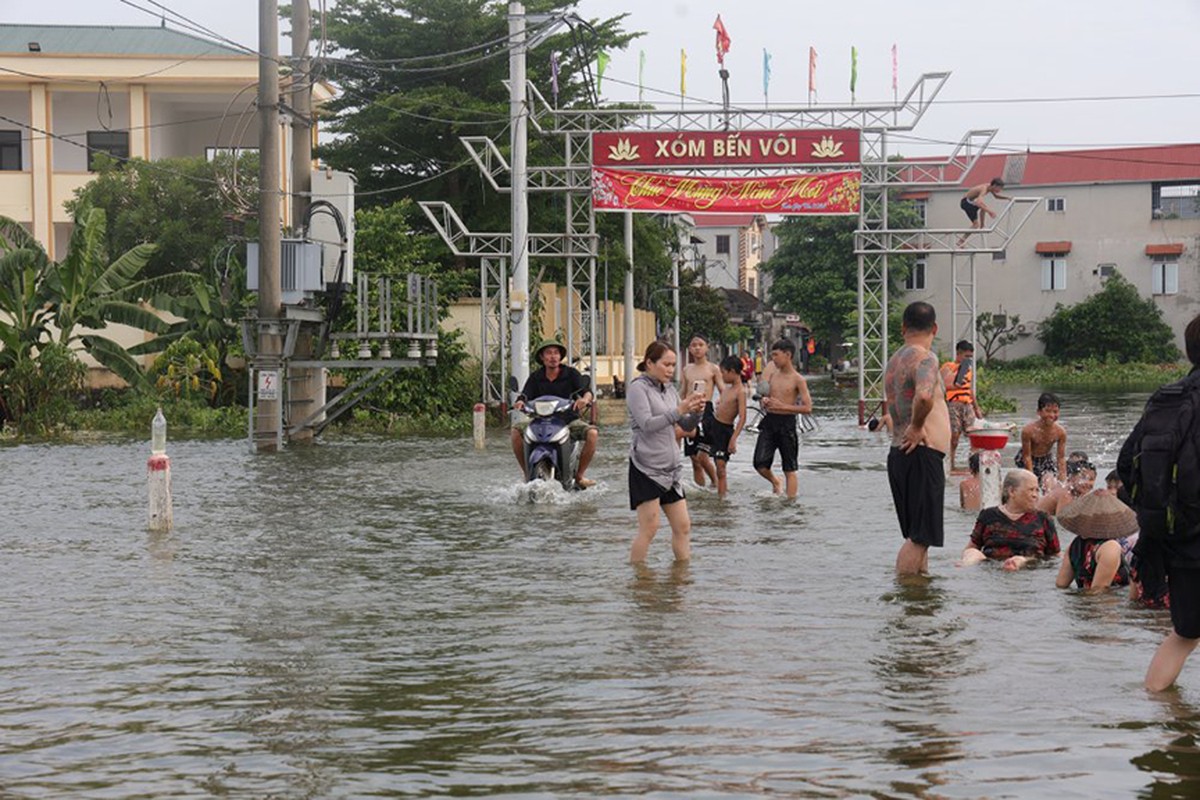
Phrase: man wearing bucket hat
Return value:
(1103, 528)
(560, 380)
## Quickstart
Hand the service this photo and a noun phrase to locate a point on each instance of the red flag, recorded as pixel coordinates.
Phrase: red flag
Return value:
(723, 40)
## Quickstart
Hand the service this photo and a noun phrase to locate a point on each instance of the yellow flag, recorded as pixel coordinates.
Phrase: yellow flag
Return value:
(682, 72)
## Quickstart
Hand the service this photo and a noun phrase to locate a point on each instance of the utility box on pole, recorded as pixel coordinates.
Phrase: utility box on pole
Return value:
(337, 189)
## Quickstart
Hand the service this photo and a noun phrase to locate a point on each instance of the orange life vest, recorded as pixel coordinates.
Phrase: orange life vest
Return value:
(959, 394)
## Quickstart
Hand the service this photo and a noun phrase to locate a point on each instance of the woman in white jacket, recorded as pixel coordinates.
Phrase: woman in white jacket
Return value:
(655, 465)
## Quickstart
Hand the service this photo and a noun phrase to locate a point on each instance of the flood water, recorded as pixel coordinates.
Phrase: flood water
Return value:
(376, 618)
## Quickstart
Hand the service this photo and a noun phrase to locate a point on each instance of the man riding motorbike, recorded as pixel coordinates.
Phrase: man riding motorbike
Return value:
(557, 379)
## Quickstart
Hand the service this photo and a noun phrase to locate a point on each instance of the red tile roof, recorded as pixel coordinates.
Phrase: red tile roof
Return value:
(1164, 249)
(1177, 162)
(1052, 248)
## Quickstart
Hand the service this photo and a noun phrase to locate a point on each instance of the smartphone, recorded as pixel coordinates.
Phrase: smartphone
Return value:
(698, 387)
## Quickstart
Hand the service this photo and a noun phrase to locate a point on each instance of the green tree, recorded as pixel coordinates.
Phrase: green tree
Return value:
(185, 206)
(1116, 324)
(701, 310)
(815, 270)
(24, 296)
(87, 290)
(995, 330)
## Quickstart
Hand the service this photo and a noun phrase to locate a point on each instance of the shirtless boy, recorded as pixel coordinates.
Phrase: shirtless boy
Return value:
(916, 408)
(701, 375)
(973, 206)
(1039, 436)
(787, 395)
(1081, 479)
(731, 405)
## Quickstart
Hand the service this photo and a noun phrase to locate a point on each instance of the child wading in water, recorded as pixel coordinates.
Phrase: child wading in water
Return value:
(1039, 437)
(731, 405)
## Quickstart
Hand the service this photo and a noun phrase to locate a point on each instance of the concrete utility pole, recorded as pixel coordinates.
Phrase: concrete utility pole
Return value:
(268, 420)
(302, 117)
(630, 358)
(306, 385)
(519, 307)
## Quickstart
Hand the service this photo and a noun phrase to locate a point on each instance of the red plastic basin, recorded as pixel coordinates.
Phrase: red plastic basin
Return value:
(988, 440)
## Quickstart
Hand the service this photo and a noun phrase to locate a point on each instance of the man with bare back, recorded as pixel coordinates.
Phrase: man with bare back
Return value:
(701, 375)
(916, 409)
(975, 208)
(786, 397)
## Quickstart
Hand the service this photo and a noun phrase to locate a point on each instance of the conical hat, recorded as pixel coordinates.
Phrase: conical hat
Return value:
(1098, 515)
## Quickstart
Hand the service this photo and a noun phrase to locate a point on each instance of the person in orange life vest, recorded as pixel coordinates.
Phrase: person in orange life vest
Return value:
(958, 376)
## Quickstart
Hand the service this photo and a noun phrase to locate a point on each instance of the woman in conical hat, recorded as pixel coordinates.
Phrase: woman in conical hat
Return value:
(1096, 558)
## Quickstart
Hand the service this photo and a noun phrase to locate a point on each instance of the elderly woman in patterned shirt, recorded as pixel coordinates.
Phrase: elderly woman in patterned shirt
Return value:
(1014, 532)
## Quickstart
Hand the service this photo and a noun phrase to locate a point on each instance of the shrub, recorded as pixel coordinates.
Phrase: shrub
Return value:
(1115, 324)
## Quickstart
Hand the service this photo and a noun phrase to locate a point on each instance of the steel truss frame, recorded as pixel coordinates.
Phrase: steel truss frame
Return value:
(875, 241)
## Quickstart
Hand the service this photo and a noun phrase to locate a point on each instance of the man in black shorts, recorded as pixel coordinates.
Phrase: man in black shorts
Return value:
(973, 206)
(920, 425)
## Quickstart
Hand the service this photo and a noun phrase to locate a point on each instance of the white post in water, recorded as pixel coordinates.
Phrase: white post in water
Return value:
(989, 478)
(479, 427)
(158, 470)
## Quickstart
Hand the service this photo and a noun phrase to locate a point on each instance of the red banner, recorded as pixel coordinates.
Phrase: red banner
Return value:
(817, 193)
(724, 149)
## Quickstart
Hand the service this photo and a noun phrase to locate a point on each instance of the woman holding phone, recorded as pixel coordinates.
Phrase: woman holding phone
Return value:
(655, 466)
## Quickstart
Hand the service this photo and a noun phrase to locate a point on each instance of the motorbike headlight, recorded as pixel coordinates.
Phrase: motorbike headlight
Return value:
(544, 408)
(529, 437)
(561, 435)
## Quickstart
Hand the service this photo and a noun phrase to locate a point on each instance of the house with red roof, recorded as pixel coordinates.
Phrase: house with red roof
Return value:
(1132, 210)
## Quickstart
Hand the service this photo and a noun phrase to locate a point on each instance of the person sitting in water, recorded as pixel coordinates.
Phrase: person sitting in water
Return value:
(1104, 528)
(1081, 479)
(1014, 532)
(968, 490)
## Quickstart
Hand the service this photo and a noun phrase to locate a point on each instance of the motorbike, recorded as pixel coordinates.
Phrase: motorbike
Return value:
(550, 454)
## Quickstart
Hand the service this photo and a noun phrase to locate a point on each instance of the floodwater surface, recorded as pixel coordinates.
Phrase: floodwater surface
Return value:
(378, 618)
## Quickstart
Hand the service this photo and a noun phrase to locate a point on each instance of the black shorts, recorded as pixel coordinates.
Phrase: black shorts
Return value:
(777, 432)
(970, 208)
(643, 488)
(918, 482)
(695, 444)
(719, 435)
(1183, 584)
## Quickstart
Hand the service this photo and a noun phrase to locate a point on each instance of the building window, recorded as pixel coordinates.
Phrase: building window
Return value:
(916, 276)
(10, 151)
(1175, 201)
(233, 153)
(1056, 204)
(750, 287)
(1054, 274)
(722, 244)
(922, 209)
(1164, 277)
(115, 143)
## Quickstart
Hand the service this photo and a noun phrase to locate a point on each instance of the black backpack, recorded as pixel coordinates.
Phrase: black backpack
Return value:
(1160, 463)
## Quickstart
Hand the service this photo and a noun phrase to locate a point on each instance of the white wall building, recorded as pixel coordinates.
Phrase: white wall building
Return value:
(1132, 210)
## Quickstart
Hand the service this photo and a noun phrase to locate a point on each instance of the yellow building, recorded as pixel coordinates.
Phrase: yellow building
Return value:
(69, 91)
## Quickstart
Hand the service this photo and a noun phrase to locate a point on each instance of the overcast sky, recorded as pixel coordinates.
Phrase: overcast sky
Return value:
(1003, 57)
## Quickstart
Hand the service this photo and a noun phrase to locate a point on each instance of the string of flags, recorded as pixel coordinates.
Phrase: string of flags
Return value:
(723, 44)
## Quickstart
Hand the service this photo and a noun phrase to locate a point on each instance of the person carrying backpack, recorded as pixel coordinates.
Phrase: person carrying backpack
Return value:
(1159, 466)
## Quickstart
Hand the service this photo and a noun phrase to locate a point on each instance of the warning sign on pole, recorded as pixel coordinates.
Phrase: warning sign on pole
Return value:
(268, 384)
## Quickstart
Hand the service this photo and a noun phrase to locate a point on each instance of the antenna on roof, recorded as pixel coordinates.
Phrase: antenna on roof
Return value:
(164, 20)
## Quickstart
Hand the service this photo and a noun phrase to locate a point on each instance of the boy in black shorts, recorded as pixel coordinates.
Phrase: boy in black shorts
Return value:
(787, 395)
(731, 405)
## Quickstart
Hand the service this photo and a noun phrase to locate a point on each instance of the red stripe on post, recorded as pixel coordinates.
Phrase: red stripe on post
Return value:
(158, 463)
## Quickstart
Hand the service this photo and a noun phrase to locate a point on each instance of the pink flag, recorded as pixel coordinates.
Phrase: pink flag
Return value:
(723, 40)
(812, 69)
(895, 71)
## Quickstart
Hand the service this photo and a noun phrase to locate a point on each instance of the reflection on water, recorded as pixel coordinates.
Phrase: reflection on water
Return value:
(381, 618)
